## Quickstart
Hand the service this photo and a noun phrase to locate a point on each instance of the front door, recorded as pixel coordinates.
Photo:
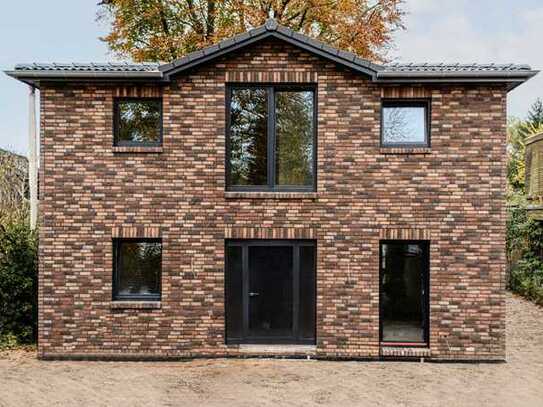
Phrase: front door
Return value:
(270, 291)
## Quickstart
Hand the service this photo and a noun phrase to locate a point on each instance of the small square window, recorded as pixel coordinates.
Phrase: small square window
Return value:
(138, 122)
(405, 124)
(137, 269)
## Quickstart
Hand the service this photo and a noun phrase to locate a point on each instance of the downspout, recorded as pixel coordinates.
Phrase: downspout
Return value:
(32, 159)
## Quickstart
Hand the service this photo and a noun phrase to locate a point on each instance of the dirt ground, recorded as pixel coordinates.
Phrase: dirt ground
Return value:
(25, 381)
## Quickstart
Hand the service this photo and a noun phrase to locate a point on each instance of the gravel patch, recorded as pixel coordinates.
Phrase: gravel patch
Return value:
(25, 381)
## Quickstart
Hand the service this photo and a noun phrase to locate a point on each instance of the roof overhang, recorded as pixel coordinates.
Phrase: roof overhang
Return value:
(34, 78)
(510, 78)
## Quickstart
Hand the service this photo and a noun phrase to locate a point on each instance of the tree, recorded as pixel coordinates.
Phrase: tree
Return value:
(163, 30)
(13, 180)
(517, 133)
(535, 115)
(18, 253)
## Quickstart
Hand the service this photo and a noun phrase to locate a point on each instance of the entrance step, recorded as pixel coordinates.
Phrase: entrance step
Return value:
(278, 350)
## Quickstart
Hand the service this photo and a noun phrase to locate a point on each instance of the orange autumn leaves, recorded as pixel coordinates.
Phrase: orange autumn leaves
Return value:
(162, 30)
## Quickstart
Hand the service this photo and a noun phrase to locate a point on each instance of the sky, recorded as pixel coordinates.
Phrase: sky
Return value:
(483, 31)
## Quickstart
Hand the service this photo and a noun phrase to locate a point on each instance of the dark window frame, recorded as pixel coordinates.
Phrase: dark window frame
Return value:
(245, 244)
(117, 268)
(117, 118)
(271, 88)
(426, 294)
(424, 103)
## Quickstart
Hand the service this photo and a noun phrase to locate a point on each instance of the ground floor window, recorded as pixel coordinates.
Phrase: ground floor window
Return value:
(270, 291)
(137, 269)
(404, 269)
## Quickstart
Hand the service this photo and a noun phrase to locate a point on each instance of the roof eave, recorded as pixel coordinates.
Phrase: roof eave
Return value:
(33, 78)
(513, 79)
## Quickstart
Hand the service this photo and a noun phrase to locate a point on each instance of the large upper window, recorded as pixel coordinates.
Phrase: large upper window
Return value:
(137, 269)
(271, 138)
(138, 122)
(405, 123)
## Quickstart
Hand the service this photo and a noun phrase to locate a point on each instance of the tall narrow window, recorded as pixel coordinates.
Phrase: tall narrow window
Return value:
(137, 269)
(404, 291)
(271, 138)
(138, 122)
(294, 138)
(405, 123)
(248, 137)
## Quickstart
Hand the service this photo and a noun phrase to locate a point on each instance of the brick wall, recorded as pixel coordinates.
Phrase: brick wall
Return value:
(452, 193)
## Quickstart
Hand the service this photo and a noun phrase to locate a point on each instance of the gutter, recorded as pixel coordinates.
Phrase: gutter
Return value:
(444, 75)
(33, 78)
(512, 78)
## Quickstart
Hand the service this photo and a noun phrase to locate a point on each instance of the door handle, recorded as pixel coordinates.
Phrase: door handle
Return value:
(254, 294)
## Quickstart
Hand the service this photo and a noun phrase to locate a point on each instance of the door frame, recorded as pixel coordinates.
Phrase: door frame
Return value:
(425, 295)
(295, 244)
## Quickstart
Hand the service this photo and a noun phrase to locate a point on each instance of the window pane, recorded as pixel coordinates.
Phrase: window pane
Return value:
(138, 122)
(248, 137)
(270, 291)
(307, 292)
(139, 268)
(234, 293)
(404, 124)
(294, 137)
(403, 274)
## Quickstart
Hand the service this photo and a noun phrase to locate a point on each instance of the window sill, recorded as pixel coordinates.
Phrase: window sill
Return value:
(137, 149)
(269, 195)
(404, 150)
(135, 305)
(388, 351)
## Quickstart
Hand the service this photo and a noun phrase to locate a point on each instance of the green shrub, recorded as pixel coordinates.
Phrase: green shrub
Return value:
(525, 253)
(18, 270)
(527, 278)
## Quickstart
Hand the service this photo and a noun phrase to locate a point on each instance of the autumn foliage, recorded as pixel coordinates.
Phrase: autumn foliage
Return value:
(162, 30)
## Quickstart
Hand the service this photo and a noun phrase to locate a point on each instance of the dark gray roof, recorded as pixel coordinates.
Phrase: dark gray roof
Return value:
(512, 74)
(35, 72)
(457, 67)
(271, 30)
(90, 67)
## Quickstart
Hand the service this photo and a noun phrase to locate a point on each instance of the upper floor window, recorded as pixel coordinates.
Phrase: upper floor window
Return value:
(138, 122)
(137, 269)
(271, 138)
(405, 124)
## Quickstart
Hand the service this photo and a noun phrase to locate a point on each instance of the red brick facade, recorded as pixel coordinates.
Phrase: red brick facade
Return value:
(451, 194)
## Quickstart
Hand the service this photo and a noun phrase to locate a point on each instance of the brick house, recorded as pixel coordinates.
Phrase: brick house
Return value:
(272, 195)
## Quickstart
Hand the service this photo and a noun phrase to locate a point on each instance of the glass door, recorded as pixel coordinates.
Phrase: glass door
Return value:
(404, 292)
(270, 291)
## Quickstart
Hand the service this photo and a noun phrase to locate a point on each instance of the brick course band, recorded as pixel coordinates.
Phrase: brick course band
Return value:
(406, 92)
(136, 232)
(270, 233)
(272, 77)
(405, 234)
(137, 91)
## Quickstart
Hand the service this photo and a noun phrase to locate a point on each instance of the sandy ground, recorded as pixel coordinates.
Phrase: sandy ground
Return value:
(25, 381)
